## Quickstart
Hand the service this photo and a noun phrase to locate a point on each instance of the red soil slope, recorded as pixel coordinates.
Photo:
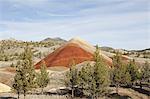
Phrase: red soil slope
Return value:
(64, 56)
(74, 50)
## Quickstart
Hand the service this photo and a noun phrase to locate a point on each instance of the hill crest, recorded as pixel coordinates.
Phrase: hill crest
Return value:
(76, 50)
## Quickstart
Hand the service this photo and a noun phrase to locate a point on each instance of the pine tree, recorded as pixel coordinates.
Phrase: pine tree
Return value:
(21, 78)
(120, 74)
(101, 74)
(117, 60)
(71, 79)
(133, 71)
(95, 79)
(85, 80)
(42, 77)
(146, 72)
(18, 82)
(25, 73)
(2, 52)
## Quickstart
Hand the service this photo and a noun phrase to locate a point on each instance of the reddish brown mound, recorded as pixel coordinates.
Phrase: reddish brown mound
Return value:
(76, 50)
(64, 56)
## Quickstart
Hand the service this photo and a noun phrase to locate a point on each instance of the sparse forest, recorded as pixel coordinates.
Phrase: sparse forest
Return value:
(92, 81)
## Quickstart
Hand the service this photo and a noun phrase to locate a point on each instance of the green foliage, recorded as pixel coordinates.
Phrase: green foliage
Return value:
(39, 55)
(24, 79)
(86, 80)
(71, 79)
(146, 72)
(71, 76)
(94, 80)
(117, 61)
(120, 74)
(8, 45)
(18, 79)
(42, 77)
(28, 65)
(101, 74)
(133, 71)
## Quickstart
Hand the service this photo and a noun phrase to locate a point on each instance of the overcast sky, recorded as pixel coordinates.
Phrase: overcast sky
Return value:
(114, 23)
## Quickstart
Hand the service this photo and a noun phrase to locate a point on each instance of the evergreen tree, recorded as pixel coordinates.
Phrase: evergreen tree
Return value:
(71, 79)
(2, 52)
(95, 79)
(133, 71)
(25, 73)
(101, 74)
(86, 80)
(120, 74)
(117, 60)
(42, 77)
(146, 72)
(18, 80)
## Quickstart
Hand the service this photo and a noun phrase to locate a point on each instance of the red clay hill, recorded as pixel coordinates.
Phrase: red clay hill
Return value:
(76, 50)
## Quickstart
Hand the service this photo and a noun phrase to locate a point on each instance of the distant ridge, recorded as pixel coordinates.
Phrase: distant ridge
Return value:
(57, 39)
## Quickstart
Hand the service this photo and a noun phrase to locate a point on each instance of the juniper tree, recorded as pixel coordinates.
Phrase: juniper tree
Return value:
(117, 60)
(1, 52)
(86, 80)
(133, 71)
(101, 74)
(25, 73)
(18, 80)
(146, 72)
(28, 62)
(120, 74)
(21, 83)
(42, 77)
(95, 79)
(71, 79)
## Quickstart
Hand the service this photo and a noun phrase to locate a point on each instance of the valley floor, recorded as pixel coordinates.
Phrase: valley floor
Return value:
(122, 92)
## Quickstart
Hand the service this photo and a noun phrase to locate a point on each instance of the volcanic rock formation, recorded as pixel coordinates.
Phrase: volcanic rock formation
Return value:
(76, 50)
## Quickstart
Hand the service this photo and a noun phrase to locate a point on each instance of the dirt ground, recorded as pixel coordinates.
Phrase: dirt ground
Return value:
(122, 91)
(129, 92)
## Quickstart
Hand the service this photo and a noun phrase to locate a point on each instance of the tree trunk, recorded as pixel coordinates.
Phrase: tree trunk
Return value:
(42, 91)
(24, 95)
(72, 92)
(132, 85)
(18, 95)
(82, 90)
(140, 85)
(117, 88)
(93, 96)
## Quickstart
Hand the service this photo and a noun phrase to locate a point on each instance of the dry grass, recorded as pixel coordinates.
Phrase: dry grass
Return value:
(33, 96)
